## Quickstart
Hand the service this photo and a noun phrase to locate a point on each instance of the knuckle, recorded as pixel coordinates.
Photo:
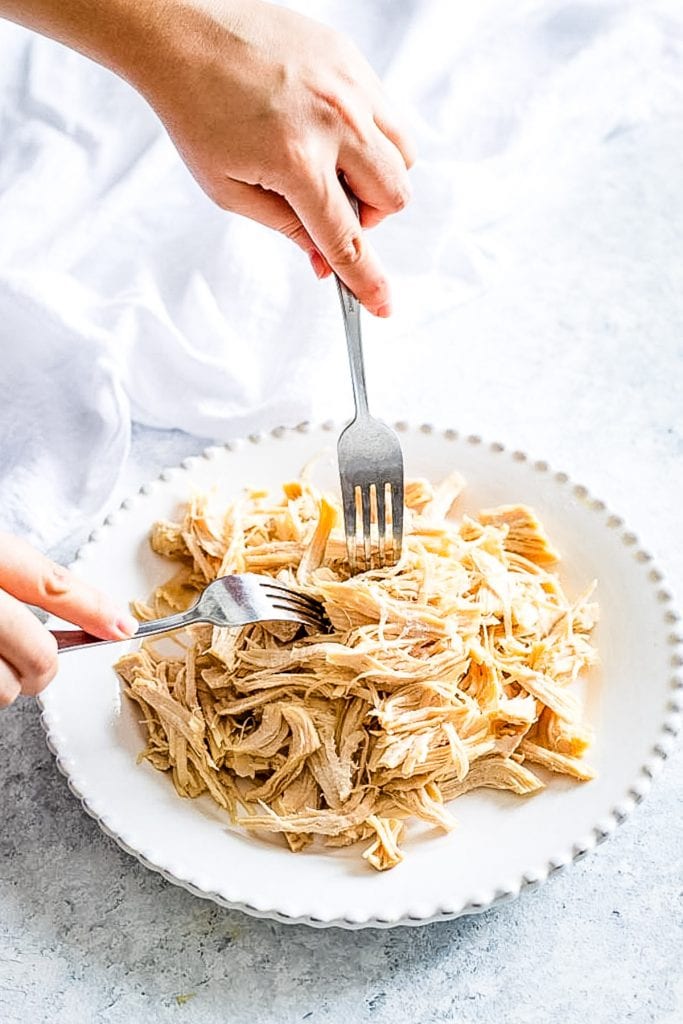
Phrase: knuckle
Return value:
(400, 198)
(347, 250)
(297, 158)
(54, 581)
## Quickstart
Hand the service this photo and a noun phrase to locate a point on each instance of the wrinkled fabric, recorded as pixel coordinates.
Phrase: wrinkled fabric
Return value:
(125, 294)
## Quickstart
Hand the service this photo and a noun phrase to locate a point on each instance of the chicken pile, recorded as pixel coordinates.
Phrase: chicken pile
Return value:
(451, 671)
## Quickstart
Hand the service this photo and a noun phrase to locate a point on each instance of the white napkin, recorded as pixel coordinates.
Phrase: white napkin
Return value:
(124, 293)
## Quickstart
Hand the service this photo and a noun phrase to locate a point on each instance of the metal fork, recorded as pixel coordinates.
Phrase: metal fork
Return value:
(370, 459)
(229, 601)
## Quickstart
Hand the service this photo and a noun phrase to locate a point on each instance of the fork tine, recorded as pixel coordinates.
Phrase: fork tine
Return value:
(294, 605)
(278, 591)
(397, 518)
(365, 513)
(297, 608)
(284, 588)
(289, 615)
(349, 502)
(381, 523)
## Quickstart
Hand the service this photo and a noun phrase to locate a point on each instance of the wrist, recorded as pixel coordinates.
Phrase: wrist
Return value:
(173, 48)
(169, 36)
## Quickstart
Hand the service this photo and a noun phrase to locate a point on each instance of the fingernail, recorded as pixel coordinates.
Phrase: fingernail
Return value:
(384, 310)
(318, 263)
(126, 625)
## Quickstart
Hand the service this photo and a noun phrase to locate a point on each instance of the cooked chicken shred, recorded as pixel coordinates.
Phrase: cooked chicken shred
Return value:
(454, 670)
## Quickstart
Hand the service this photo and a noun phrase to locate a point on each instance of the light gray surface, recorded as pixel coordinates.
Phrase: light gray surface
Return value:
(575, 354)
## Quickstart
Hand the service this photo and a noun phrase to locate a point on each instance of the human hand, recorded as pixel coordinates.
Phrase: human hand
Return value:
(28, 652)
(268, 108)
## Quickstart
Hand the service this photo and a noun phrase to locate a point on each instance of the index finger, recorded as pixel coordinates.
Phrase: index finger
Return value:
(35, 579)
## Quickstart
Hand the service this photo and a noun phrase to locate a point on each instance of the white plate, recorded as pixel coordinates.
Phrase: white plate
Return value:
(503, 843)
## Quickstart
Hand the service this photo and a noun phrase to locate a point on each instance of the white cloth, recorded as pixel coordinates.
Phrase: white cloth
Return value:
(125, 294)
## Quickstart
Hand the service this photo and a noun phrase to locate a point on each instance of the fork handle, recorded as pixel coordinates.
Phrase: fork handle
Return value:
(351, 313)
(76, 639)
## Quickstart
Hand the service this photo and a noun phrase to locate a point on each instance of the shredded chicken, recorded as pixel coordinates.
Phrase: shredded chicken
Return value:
(452, 671)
